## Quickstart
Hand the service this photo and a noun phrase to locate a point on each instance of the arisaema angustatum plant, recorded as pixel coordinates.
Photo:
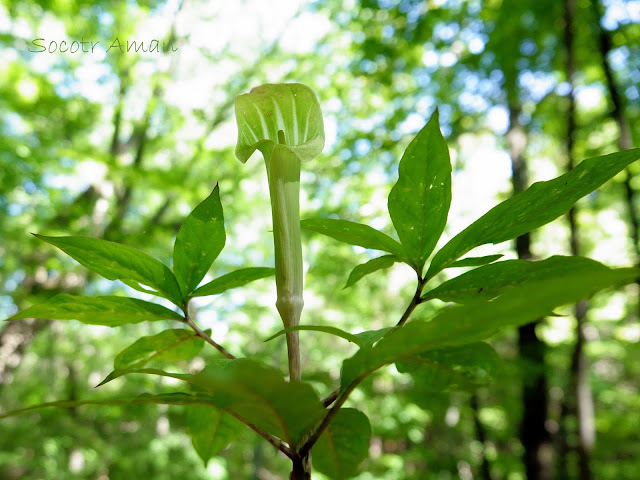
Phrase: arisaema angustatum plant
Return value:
(446, 350)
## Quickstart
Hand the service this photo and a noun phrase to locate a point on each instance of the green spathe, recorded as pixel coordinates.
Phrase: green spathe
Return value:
(285, 123)
(292, 108)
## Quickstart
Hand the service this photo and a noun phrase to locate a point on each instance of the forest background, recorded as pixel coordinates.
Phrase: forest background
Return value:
(122, 145)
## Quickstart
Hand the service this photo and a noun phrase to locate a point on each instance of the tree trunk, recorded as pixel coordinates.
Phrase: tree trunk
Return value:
(579, 398)
(481, 435)
(533, 434)
(625, 140)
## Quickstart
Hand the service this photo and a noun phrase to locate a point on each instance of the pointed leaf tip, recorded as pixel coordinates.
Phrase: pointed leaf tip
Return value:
(419, 201)
(200, 240)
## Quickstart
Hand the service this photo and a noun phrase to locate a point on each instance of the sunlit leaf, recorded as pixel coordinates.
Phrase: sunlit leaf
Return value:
(200, 240)
(320, 328)
(478, 320)
(475, 261)
(354, 234)
(177, 398)
(369, 267)
(491, 280)
(419, 201)
(235, 279)
(110, 311)
(115, 261)
(170, 345)
(540, 204)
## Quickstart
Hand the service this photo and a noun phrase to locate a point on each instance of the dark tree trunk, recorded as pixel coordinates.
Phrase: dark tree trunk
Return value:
(533, 434)
(578, 399)
(481, 435)
(625, 140)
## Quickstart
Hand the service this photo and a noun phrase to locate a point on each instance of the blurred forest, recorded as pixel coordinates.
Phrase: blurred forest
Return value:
(123, 145)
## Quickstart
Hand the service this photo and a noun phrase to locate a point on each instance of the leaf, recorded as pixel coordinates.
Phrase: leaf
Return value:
(200, 240)
(478, 320)
(453, 368)
(235, 279)
(121, 372)
(171, 345)
(540, 204)
(475, 261)
(419, 201)
(211, 430)
(176, 398)
(369, 267)
(320, 328)
(369, 337)
(110, 311)
(343, 445)
(354, 234)
(115, 261)
(254, 392)
(292, 108)
(490, 281)
(259, 394)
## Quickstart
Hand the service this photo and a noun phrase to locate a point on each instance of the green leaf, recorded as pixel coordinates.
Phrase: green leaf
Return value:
(540, 204)
(115, 261)
(292, 108)
(419, 201)
(490, 281)
(121, 372)
(343, 445)
(211, 430)
(170, 345)
(176, 398)
(453, 368)
(354, 234)
(369, 267)
(475, 261)
(260, 395)
(477, 320)
(110, 311)
(199, 242)
(319, 328)
(237, 278)
(254, 392)
(369, 337)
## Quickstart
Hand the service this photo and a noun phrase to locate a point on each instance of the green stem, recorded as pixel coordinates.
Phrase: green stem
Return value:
(283, 170)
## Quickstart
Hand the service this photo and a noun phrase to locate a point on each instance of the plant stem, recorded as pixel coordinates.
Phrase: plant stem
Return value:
(340, 398)
(272, 439)
(206, 337)
(415, 301)
(283, 171)
(301, 468)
